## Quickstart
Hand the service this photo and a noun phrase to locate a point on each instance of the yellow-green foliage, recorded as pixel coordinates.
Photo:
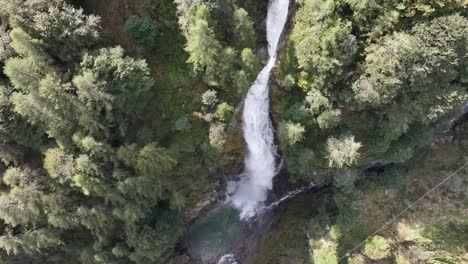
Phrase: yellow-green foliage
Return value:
(377, 248)
(324, 250)
(326, 254)
(357, 259)
(217, 135)
(291, 133)
(224, 112)
(401, 259)
(342, 151)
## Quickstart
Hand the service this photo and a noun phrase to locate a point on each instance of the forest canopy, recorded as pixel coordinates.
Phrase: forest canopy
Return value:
(110, 135)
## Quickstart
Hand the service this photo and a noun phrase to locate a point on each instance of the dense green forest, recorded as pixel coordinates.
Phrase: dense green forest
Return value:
(115, 121)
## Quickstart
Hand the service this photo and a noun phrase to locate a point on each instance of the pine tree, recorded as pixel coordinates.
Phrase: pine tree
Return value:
(243, 30)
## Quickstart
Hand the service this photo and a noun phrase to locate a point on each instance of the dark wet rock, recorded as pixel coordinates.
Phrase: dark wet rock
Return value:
(262, 55)
(212, 170)
(205, 204)
(453, 130)
(377, 165)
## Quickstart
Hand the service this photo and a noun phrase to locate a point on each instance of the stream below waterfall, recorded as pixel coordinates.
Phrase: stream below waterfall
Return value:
(222, 237)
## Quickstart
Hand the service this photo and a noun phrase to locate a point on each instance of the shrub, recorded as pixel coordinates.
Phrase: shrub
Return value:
(342, 151)
(242, 82)
(210, 98)
(300, 162)
(290, 133)
(297, 112)
(182, 124)
(377, 248)
(244, 33)
(392, 176)
(356, 259)
(224, 112)
(289, 81)
(143, 31)
(316, 101)
(344, 180)
(326, 254)
(329, 119)
(401, 259)
(217, 135)
(5, 49)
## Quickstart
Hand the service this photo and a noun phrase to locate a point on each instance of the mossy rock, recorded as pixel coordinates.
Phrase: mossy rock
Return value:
(232, 158)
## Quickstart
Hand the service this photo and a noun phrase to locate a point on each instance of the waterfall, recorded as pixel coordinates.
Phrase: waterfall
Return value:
(260, 168)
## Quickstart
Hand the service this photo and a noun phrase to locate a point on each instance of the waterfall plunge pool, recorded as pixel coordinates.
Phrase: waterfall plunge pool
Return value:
(216, 234)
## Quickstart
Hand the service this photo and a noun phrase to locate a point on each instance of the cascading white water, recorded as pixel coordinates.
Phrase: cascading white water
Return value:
(260, 167)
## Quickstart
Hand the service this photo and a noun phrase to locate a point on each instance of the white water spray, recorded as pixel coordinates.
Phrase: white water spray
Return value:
(260, 167)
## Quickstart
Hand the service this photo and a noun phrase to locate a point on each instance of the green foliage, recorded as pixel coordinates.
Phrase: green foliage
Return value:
(121, 78)
(210, 98)
(290, 133)
(228, 58)
(392, 176)
(217, 135)
(99, 174)
(151, 242)
(342, 151)
(344, 180)
(378, 85)
(450, 228)
(413, 80)
(243, 31)
(316, 101)
(143, 31)
(59, 164)
(323, 43)
(404, 57)
(377, 248)
(87, 179)
(207, 26)
(182, 124)
(50, 20)
(358, 259)
(298, 112)
(151, 182)
(250, 63)
(202, 45)
(326, 254)
(301, 162)
(329, 119)
(107, 81)
(289, 81)
(428, 7)
(326, 251)
(5, 49)
(249, 67)
(185, 10)
(48, 104)
(17, 135)
(381, 69)
(374, 18)
(224, 112)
